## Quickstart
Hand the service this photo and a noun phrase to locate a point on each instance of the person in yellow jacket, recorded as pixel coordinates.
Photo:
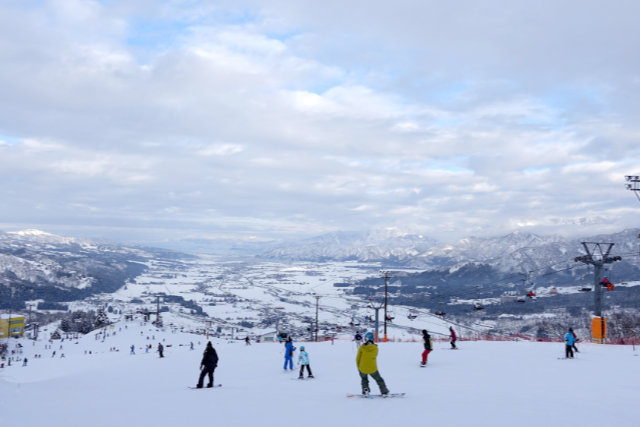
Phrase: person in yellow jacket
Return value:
(367, 365)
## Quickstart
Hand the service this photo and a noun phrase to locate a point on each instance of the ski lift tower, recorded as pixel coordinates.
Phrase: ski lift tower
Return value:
(317, 297)
(387, 276)
(598, 256)
(158, 322)
(377, 308)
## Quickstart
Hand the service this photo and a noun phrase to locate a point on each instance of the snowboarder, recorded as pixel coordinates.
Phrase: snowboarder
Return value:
(367, 365)
(426, 339)
(288, 353)
(358, 339)
(247, 340)
(208, 365)
(569, 340)
(133, 349)
(452, 334)
(575, 339)
(160, 349)
(303, 360)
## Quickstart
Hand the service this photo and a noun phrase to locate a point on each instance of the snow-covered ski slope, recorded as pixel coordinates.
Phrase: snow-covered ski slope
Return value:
(484, 383)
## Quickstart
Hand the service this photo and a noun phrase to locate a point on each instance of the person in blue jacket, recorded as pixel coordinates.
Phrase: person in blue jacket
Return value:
(288, 354)
(303, 360)
(569, 341)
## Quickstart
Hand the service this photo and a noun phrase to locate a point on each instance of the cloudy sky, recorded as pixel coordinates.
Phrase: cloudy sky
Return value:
(137, 120)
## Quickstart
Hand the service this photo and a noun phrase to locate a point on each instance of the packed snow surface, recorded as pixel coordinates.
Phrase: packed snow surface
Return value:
(483, 383)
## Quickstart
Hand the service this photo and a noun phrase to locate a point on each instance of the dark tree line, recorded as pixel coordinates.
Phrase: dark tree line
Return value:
(84, 321)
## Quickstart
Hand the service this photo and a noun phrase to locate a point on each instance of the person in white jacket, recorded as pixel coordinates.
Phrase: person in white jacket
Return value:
(303, 360)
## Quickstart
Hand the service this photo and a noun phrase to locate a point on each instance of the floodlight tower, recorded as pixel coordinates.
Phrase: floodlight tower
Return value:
(633, 184)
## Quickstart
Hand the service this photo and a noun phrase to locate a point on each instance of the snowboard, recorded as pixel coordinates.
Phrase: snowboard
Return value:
(204, 388)
(375, 396)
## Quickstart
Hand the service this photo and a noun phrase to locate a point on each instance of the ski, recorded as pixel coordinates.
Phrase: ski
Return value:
(302, 379)
(376, 396)
(198, 388)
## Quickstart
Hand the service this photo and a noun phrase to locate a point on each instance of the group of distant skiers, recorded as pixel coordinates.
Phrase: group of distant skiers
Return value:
(366, 358)
(160, 349)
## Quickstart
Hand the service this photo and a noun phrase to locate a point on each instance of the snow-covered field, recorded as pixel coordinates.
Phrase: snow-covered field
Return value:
(484, 383)
(236, 292)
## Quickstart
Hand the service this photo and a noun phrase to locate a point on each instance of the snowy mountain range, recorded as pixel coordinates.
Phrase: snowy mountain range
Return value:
(375, 245)
(35, 265)
(517, 251)
(40, 267)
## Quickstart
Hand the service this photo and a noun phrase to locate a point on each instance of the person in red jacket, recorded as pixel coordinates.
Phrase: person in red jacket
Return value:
(452, 334)
(426, 339)
(607, 283)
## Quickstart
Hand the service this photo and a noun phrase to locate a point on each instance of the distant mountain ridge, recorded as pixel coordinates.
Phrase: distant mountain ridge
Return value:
(517, 251)
(375, 245)
(35, 265)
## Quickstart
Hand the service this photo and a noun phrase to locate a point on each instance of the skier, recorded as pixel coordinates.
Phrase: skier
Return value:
(208, 365)
(358, 339)
(569, 341)
(575, 339)
(303, 360)
(133, 349)
(288, 353)
(426, 338)
(160, 349)
(452, 333)
(247, 340)
(367, 365)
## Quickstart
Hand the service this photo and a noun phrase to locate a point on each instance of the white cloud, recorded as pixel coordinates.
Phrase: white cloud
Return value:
(220, 150)
(285, 117)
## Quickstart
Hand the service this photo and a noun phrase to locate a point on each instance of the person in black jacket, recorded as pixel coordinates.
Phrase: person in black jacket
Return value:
(208, 365)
